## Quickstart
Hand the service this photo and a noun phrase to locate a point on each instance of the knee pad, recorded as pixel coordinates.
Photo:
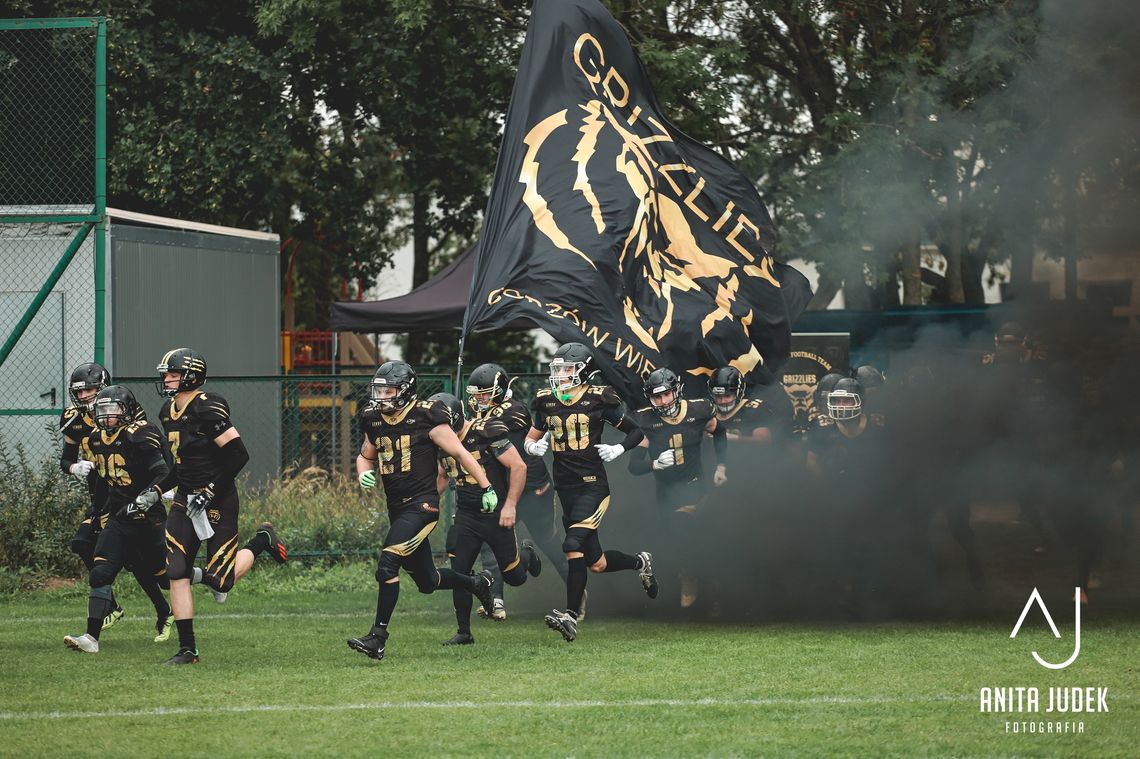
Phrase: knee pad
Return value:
(178, 567)
(222, 583)
(100, 602)
(574, 540)
(83, 541)
(387, 568)
(516, 576)
(102, 575)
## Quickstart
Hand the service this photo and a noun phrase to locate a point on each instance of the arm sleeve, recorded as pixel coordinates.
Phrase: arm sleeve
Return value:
(720, 443)
(232, 460)
(633, 433)
(639, 461)
(69, 456)
(158, 469)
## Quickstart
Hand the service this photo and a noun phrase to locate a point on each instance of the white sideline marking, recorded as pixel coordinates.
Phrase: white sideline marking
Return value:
(598, 704)
(364, 613)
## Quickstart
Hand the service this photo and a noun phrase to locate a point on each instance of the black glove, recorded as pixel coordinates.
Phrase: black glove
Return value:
(200, 500)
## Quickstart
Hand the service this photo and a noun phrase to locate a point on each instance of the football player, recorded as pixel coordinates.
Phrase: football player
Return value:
(404, 436)
(743, 419)
(127, 453)
(76, 425)
(208, 454)
(489, 394)
(674, 429)
(823, 389)
(476, 525)
(568, 420)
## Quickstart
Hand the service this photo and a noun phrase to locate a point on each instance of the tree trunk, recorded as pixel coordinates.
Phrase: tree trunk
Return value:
(911, 269)
(953, 252)
(421, 267)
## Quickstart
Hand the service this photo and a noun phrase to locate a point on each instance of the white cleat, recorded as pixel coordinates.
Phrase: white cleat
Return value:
(84, 643)
(218, 595)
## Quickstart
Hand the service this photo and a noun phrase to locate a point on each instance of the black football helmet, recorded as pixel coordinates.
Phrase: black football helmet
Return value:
(397, 374)
(822, 388)
(90, 376)
(845, 401)
(454, 408)
(726, 383)
(116, 406)
(869, 377)
(659, 382)
(189, 363)
(489, 385)
(572, 365)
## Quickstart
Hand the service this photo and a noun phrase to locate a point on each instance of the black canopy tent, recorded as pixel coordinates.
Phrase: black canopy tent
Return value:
(436, 305)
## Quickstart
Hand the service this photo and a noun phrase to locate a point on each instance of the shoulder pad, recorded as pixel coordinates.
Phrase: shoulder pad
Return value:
(543, 392)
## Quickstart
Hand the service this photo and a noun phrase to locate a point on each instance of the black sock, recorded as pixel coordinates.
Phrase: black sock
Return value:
(616, 561)
(575, 584)
(386, 603)
(186, 634)
(94, 627)
(259, 543)
(449, 579)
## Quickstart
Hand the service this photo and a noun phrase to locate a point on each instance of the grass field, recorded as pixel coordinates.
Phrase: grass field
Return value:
(276, 679)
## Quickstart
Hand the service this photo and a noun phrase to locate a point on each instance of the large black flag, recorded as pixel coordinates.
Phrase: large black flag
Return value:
(608, 226)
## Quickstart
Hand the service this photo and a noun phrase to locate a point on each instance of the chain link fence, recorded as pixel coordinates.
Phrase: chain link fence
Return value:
(52, 194)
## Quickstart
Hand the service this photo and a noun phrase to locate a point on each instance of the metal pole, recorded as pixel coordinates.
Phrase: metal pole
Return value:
(100, 188)
(45, 290)
(459, 365)
(335, 390)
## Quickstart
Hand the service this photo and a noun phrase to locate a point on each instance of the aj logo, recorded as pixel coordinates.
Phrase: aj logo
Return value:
(1036, 597)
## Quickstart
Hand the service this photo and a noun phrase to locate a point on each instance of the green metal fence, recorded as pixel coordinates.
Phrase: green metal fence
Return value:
(52, 209)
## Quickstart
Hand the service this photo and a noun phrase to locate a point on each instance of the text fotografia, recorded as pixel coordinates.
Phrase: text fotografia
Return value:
(1023, 700)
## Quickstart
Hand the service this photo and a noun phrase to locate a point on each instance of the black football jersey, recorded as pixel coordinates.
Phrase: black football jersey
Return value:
(748, 415)
(683, 434)
(842, 456)
(407, 457)
(575, 428)
(486, 438)
(516, 417)
(122, 460)
(75, 424)
(191, 431)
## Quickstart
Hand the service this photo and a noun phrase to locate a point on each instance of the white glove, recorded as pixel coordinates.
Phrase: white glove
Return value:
(145, 501)
(667, 459)
(168, 496)
(537, 447)
(81, 468)
(196, 504)
(609, 452)
(719, 476)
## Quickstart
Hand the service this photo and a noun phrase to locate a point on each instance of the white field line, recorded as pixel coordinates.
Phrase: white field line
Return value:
(364, 613)
(425, 705)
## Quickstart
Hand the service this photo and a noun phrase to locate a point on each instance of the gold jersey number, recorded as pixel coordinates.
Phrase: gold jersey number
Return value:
(678, 446)
(113, 469)
(571, 435)
(174, 438)
(389, 448)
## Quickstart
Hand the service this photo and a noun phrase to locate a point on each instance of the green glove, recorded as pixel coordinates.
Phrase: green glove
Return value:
(367, 479)
(490, 499)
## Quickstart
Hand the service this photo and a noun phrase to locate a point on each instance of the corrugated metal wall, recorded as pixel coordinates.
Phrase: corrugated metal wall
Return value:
(217, 294)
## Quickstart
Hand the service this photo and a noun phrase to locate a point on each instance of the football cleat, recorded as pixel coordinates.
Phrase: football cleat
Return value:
(84, 643)
(112, 617)
(498, 611)
(534, 568)
(184, 656)
(276, 547)
(372, 644)
(648, 580)
(563, 623)
(460, 639)
(162, 627)
(219, 596)
(482, 590)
